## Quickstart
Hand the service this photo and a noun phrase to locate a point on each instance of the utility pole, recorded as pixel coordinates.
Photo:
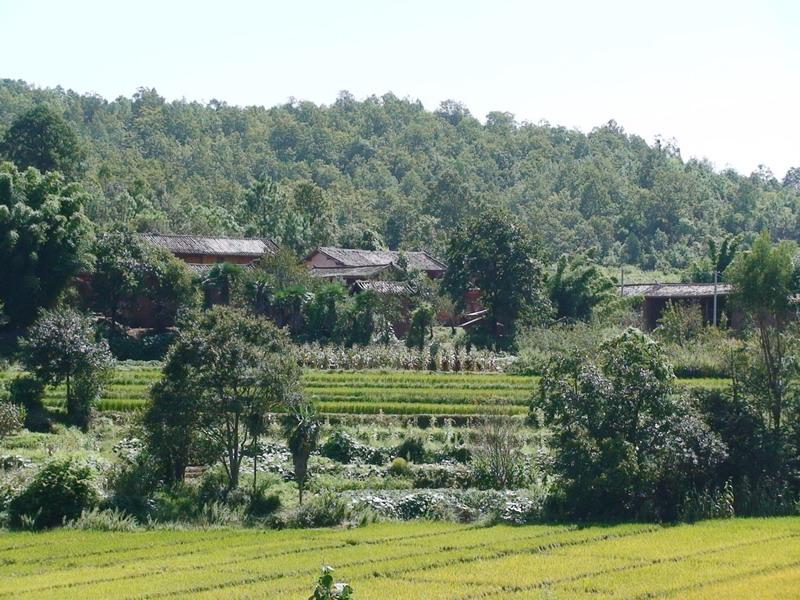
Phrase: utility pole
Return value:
(716, 273)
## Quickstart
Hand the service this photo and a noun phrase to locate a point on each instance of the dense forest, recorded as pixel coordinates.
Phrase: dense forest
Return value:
(385, 171)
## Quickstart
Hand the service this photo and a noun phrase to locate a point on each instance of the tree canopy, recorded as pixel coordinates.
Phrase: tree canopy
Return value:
(410, 175)
(502, 260)
(44, 238)
(42, 139)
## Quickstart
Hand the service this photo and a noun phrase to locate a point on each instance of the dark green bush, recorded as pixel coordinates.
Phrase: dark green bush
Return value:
(58, 493)
(343, 448)
(260, 504)
(412, 449)
(179, 502)
(27, 391)
(149, 346)
(132, 486)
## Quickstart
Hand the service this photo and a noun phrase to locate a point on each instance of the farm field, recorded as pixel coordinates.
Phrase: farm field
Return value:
(366, 392)
(742, 558)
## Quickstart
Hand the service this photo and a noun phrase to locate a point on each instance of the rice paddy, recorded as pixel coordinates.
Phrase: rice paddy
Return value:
(366, 392)
(742, 558)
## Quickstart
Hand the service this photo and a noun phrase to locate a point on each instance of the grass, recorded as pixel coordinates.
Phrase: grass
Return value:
(742, 558)
(367, 392)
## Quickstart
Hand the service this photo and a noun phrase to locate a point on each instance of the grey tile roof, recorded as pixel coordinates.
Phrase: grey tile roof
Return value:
(675, 290)
(214, 246)
(348, 272)
(205, 269)
(384, 287)
(349, 257)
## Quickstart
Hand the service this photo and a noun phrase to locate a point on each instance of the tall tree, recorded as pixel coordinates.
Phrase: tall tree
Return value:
(42, 139)
(44, 237)
(61, 347)
(764, 280)
(233, 369)
(577, 286)
(302, 427)
(493, 253)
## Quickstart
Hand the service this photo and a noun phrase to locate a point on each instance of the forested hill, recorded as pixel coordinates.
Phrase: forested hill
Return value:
(356, 172)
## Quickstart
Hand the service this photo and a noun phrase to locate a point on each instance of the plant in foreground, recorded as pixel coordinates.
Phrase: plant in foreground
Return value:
(327, 589)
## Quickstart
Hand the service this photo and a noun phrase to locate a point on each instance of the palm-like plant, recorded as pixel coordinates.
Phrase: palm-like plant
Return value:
(302, 428)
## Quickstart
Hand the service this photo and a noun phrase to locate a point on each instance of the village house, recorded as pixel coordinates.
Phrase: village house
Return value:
(357, 267)
(656, 296)
(202, 252)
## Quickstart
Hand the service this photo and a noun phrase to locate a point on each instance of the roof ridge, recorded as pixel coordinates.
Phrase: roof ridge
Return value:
(208, 237)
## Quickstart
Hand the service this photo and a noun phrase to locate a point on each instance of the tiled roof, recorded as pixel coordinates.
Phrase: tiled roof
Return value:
(214, 246)
(675, 290)
(205, 268)
(384, 287)
(348, 272)
(349, 257)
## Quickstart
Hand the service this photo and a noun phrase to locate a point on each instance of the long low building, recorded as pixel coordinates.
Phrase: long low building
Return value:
(351, 265)
(202, 252)
(657, 295)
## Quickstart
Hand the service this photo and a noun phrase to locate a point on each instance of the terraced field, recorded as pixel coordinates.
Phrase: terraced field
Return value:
(758, 558)
(367, 392)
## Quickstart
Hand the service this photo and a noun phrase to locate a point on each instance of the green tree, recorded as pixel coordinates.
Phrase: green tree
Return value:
(42, 139)
(421, 325)
(116, 278)
(233, 369)
(494, 254)
(718, 257)
(626, 443)
(577, 286)
(220, 283)
(302, 428)
(128, 269)
(44, 237)
(61, 347)
(325, 314)
(764, 280)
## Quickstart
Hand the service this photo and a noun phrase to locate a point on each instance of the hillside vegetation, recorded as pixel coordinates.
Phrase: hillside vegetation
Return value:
(309, 175)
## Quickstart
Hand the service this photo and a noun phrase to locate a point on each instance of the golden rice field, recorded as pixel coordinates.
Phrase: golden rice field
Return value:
(742, 558)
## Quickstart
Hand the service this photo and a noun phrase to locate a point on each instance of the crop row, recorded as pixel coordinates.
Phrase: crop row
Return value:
(366, 392)
(411, 560)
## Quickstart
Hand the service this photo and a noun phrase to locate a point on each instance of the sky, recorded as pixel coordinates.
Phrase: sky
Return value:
(721, 78)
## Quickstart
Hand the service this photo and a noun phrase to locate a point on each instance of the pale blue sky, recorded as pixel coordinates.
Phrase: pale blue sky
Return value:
(722, 78)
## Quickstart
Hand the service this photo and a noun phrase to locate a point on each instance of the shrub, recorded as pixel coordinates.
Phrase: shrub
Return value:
(149, 346)
(261, 505)
(324, 510)
(28, 392)
(60, 492)
(412, 449)
(497, 457)
(132, 485)
(104, 520)
(179, 502)
(12, 418)
(680, 323)
(708, 504)
(399, 468)
(446, 475)
(343, 448)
